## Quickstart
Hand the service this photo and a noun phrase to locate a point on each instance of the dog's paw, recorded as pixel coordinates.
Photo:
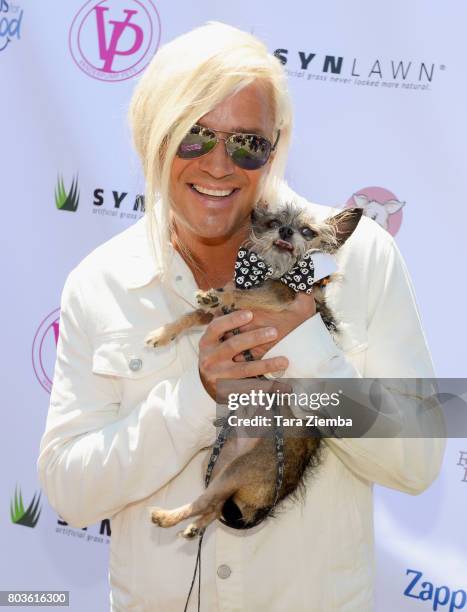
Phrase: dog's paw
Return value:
(190, 532)
(160, 337)
(208, 299)
(159, 517)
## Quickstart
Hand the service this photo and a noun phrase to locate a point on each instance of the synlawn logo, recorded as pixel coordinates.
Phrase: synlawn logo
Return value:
(20, 516)
(64, 200)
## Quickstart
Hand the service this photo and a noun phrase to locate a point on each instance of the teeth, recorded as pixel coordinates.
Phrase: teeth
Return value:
(213, 192)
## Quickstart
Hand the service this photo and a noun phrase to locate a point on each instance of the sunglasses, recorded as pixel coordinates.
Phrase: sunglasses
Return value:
(247, 151)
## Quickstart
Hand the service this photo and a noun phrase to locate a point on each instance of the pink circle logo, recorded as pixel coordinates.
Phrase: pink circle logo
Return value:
(44, 349)
(114, 40)
(381, 205)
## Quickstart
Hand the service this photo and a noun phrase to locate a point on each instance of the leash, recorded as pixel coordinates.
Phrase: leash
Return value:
(197, 567)
(216, 451)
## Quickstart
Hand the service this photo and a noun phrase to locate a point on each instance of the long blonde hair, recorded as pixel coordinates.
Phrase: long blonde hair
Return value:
(185, 80)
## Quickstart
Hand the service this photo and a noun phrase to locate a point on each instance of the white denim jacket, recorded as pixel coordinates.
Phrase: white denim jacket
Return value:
(128, 427)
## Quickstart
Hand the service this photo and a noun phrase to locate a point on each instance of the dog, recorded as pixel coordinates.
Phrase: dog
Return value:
(242, 488)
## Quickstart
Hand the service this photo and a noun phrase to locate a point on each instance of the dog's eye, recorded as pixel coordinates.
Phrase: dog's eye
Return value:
(274, 224)
(308, 233)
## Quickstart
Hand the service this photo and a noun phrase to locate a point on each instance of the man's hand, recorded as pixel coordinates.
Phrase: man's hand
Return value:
(217, 353)
(301, 309)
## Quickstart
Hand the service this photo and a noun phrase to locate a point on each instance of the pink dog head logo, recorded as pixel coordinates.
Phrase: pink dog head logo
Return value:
(113, 40)
(380, 205)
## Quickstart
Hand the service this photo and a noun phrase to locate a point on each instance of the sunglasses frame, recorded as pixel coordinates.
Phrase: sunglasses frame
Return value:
(232, 135)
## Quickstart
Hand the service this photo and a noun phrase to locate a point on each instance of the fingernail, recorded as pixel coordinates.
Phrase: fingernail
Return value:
(270, 332)
(246, 315)
(282, 364)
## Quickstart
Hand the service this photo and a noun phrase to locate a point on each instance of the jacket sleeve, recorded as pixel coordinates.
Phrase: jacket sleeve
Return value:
(397, 350)
(93, 463)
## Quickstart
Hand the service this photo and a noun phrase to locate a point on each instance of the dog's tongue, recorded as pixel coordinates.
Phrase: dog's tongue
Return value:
(283, 244)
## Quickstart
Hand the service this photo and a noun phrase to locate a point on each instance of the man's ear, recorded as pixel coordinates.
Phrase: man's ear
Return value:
(344, 223)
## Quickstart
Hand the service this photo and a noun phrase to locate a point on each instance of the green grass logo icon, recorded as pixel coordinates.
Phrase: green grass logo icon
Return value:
(64, 200)
(19, 515)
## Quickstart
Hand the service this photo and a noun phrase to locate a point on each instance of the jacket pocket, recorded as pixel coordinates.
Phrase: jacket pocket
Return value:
(124, 355)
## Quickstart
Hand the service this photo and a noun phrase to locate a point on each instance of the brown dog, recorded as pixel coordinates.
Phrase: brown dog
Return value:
(243, 481)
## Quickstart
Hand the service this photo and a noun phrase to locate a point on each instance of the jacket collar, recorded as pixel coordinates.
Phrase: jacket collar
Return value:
(139, 266)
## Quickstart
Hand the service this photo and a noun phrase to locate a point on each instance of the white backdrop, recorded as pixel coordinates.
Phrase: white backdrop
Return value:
(388, 124)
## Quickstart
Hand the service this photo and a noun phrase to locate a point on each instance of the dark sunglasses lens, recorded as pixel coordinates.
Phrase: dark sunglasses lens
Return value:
(197, 142)
(248, 151)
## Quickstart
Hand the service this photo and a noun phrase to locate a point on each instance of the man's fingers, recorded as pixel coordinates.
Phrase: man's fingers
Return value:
(247, 327)
(220, 325)
(256, 353)
(246, 341)
(248, 369)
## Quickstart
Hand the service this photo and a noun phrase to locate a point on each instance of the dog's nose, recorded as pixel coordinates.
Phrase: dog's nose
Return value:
(285, 232)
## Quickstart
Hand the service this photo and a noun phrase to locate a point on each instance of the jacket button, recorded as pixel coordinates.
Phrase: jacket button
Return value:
(135, 364)
(224, 571)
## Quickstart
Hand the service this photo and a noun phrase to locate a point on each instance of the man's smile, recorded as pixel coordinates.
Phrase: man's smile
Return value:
(214, 198)
(212, 191)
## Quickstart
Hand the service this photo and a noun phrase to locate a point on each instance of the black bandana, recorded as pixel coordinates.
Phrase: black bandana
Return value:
(251, 271)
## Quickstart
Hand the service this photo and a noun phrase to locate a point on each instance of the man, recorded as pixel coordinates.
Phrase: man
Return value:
(129, 427)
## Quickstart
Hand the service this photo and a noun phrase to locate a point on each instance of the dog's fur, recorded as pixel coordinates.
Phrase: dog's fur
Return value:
(242, 485)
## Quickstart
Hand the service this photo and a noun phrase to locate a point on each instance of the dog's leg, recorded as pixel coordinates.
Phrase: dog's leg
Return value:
(167, 333)
(194, 528)
(273, 295)
(208, 506)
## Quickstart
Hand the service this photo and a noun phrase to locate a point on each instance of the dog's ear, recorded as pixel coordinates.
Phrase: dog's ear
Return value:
(344, 224)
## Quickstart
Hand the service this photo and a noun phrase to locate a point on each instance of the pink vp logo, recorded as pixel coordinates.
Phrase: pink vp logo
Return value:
(113, 40)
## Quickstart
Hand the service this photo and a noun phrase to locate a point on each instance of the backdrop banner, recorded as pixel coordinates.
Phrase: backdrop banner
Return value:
(379, 98)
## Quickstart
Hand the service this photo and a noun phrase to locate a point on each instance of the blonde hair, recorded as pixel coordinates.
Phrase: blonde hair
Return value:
(185, 80)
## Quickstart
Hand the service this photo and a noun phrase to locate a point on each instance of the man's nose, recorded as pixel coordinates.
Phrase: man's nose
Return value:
(285, 232)
(217, 162)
